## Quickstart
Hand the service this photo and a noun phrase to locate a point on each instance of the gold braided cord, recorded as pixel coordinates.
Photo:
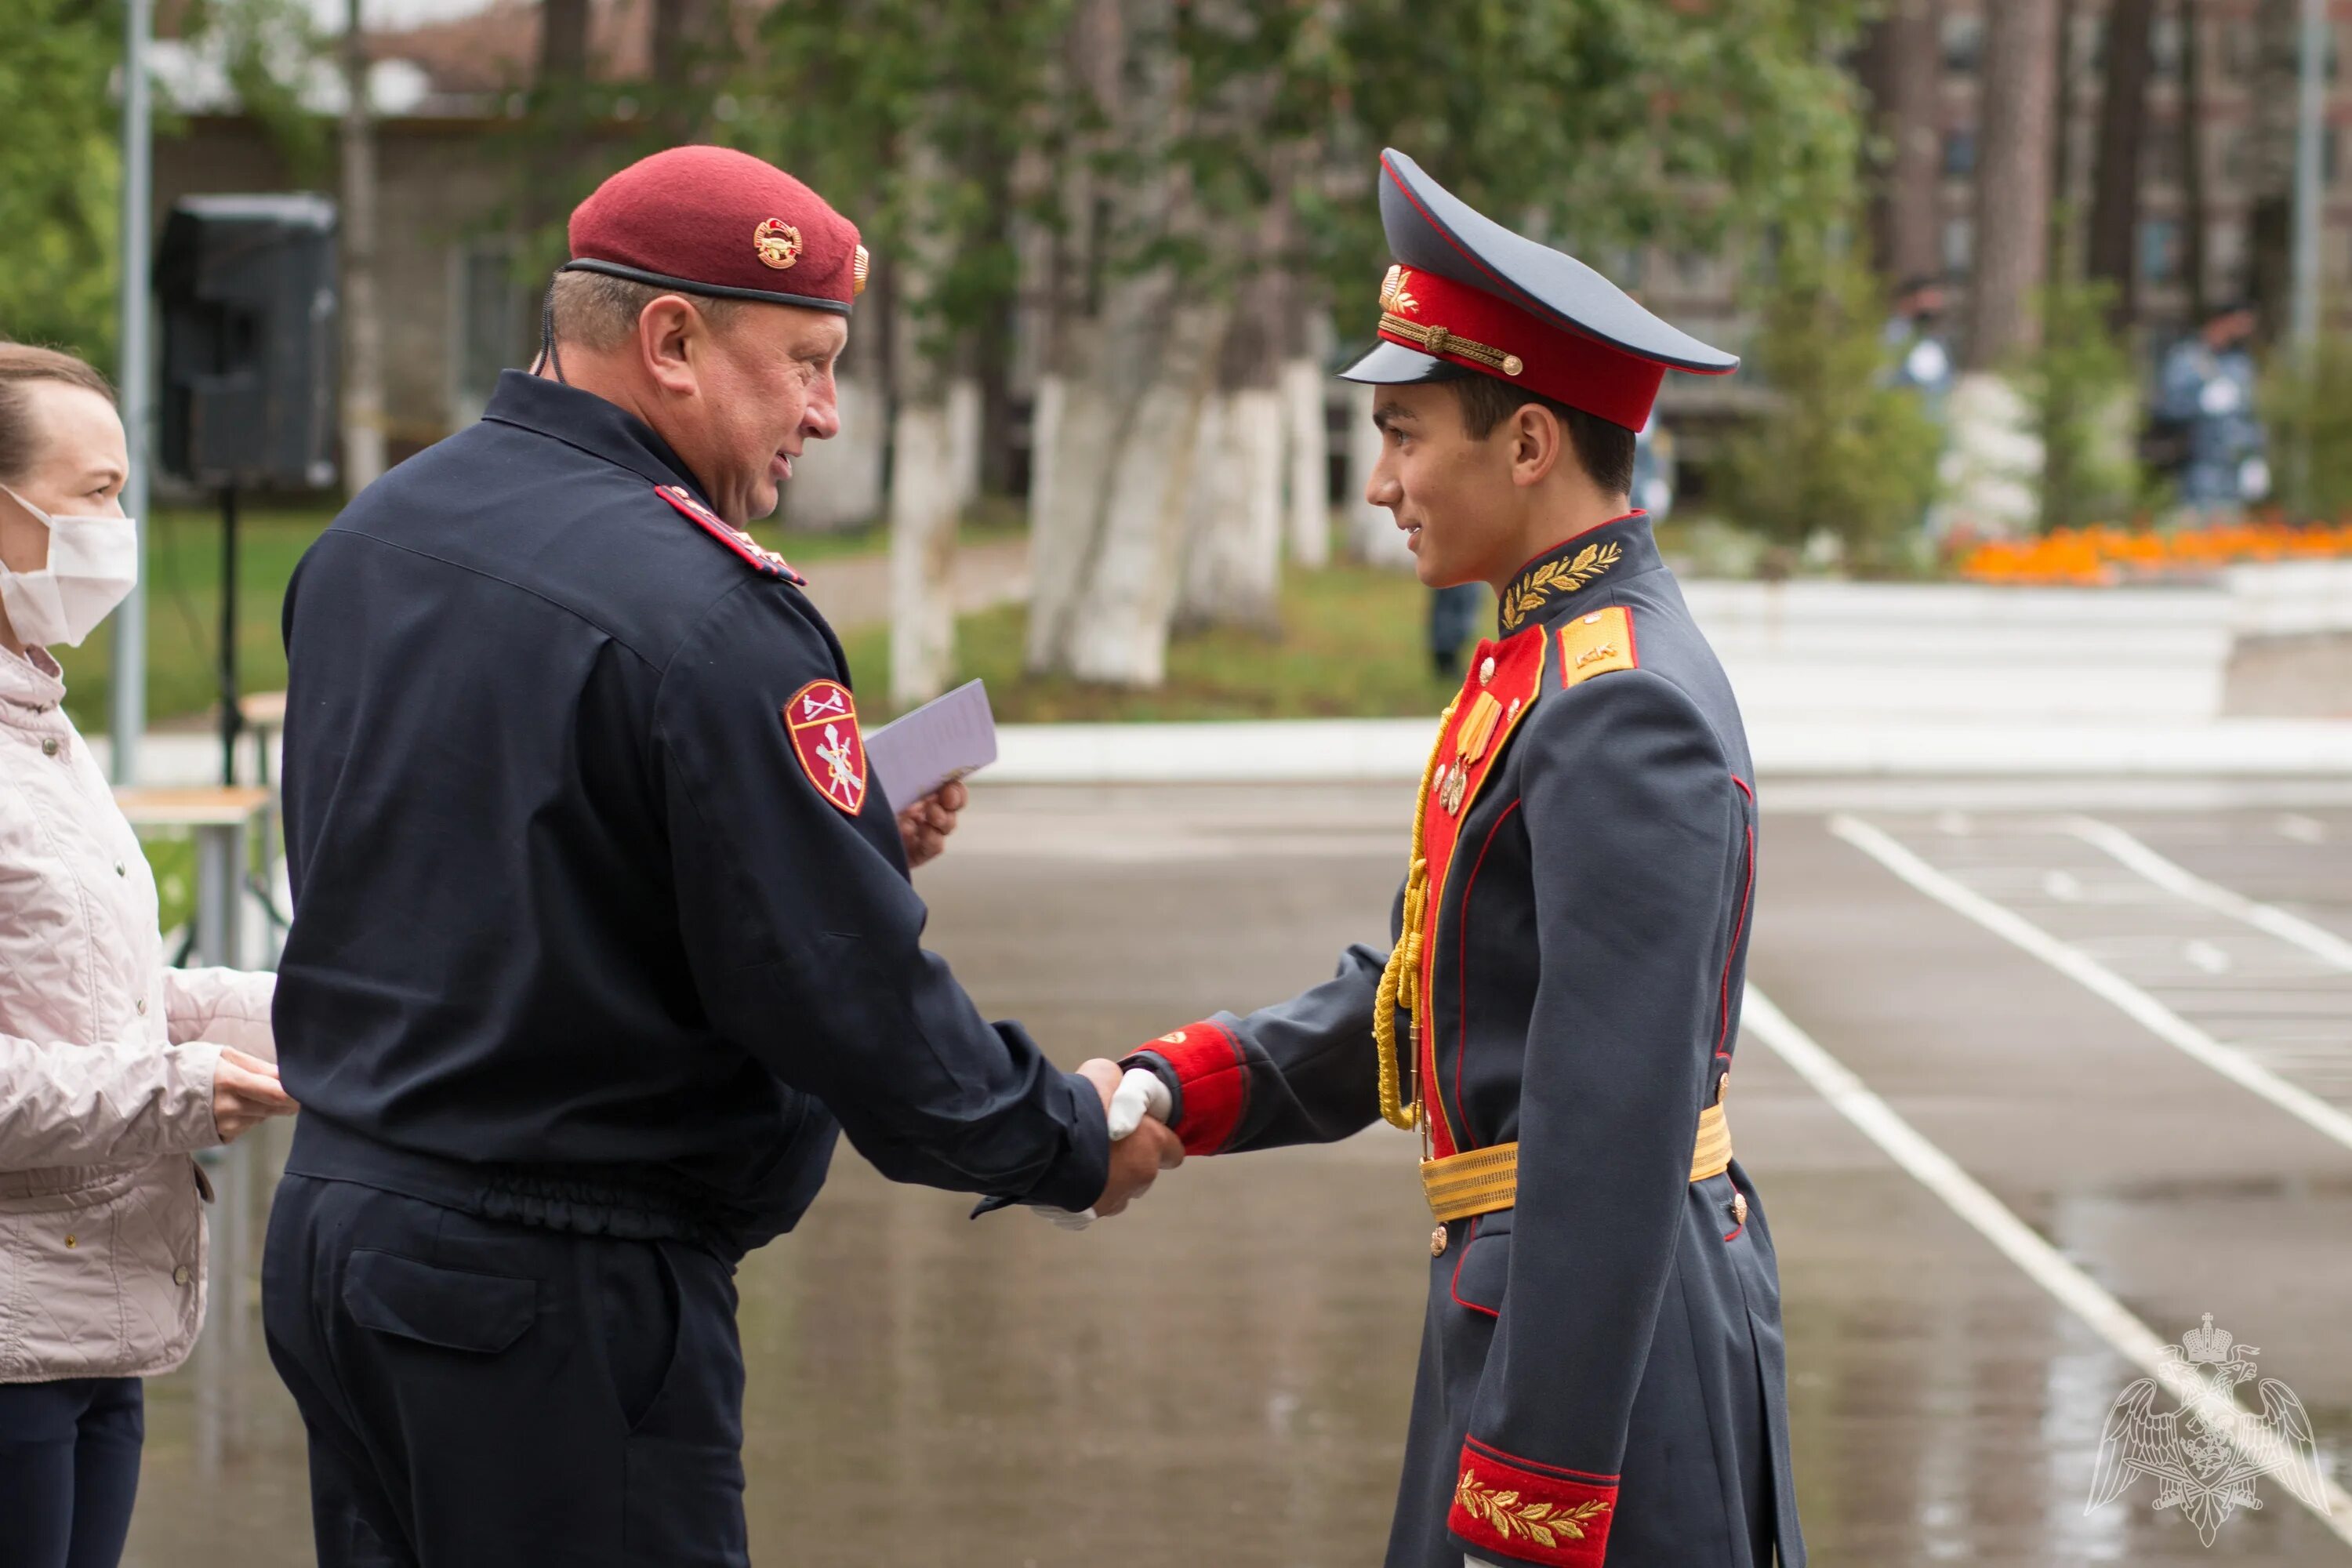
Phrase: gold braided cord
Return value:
(1400, 981)
(1437, 341)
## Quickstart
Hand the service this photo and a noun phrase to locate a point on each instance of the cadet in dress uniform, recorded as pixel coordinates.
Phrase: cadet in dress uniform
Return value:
(604, 933)
(1602, 1375)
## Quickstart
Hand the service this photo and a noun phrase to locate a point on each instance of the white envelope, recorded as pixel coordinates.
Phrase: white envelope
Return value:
(945, 738)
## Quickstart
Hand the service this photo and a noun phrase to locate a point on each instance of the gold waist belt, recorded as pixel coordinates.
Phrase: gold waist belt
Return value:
(1485, 1180)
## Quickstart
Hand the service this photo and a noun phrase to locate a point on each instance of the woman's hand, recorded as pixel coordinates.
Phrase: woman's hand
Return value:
(245, 1093)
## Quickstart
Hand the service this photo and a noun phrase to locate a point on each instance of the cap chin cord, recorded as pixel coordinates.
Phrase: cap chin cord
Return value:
(548, 354)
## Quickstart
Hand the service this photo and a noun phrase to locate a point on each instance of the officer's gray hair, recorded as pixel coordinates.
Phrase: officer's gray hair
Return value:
(598, 311)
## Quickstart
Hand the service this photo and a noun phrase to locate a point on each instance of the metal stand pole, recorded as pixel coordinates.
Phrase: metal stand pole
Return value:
(230, 718)
(127, 704)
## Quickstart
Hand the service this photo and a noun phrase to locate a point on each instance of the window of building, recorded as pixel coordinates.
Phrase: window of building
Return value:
(2159, 250)
(491, 323)
(2164, 48)
(1963, 44)
(1959, 247)
(1960, 153)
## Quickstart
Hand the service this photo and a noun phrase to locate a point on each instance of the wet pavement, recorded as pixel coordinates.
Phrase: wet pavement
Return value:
(1222, 1377)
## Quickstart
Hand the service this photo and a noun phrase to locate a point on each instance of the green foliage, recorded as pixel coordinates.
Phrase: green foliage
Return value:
(1604, 123)
(59, 174)
(2307, 403)
(2079, 386)
(269, 47)
(1839, 449)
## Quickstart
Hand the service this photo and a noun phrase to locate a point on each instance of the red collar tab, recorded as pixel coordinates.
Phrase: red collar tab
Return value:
(756, 556)
(1481, 332)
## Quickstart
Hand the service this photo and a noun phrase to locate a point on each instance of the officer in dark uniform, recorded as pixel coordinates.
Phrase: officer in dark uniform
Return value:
(604, 933)
(1601, 1374)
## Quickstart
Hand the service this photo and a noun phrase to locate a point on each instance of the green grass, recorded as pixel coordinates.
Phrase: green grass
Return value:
(183, 613)
(1353, 645)
(183, 604)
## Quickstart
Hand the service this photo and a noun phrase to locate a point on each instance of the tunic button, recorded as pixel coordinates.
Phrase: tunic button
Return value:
(180, 1275)
(71, 1242)
(1740, 1208)
(1437, 1242)
(49, 746)
(143, 1007)
(119, 870)
(1486, 670)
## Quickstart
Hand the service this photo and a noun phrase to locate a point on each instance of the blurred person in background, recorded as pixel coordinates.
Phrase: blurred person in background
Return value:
(1915, 341)
(114, 1069)
(2205, 428)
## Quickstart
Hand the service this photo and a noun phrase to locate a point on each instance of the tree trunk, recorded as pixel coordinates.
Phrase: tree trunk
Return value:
(1233, 556)
(562, 43)
(2192, 157)
(837, 484)
(923, 513)
(1131, 361)
(2270, 227)
(1373, 537)
(2123, 120)
(2013, 208)
(1307, 439)
(687, 35)
(362, 414)
(2062, 262)
(1902, 62)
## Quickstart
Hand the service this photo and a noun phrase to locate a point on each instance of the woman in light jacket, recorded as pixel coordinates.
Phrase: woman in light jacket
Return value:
(113, 1068)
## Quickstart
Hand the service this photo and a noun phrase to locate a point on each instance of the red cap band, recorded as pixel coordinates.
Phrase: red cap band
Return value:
(1428, 312)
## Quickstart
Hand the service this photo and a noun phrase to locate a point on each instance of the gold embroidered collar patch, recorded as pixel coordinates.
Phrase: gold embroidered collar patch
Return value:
(1538, 585)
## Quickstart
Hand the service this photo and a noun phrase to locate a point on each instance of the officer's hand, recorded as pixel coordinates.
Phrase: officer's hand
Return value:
(924, 827)
(245, 1093)
(1136, 1160)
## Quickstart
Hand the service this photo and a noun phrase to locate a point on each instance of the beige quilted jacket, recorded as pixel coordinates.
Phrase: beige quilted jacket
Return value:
(106, 1067)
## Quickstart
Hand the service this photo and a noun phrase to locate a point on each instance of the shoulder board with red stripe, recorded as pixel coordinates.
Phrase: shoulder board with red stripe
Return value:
(754, 554)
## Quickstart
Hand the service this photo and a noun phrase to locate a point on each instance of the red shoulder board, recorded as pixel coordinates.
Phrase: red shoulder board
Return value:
(756, 556)
(822, 720)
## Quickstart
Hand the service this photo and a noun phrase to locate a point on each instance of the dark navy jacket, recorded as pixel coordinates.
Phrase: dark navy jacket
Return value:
(1602, 1375)
(578, 938)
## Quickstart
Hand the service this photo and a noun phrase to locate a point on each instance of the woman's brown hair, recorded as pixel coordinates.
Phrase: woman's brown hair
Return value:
(21, 364)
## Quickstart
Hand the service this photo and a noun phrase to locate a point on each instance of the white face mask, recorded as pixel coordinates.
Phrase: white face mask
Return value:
(93, 565)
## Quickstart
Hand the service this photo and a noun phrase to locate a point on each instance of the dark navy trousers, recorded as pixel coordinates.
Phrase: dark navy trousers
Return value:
(480, 1393)
(69, 1470)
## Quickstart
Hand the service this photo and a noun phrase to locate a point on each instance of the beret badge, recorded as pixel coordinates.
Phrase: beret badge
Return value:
(778, 243)
(859, 265)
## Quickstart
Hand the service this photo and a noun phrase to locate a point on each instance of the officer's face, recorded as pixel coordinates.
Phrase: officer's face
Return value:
(764, 389)
(1451, 493)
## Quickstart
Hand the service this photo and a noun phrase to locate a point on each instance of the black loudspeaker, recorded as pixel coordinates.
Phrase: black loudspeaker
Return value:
(248, 289)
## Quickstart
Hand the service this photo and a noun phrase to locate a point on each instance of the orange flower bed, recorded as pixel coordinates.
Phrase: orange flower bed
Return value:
(2104, 555)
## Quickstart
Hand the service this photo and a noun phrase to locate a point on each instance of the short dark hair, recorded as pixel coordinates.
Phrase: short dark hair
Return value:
(1604, 450)
(21, 364)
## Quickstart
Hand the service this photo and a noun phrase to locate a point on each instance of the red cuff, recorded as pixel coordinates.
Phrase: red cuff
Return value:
(1215, 1078)
(1530, 1512)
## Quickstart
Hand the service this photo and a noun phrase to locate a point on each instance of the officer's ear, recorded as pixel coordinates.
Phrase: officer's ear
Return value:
(671, 335)
(1537, 442)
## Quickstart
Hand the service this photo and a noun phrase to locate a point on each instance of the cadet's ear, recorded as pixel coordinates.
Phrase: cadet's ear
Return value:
(1538, 440)
(664, 328)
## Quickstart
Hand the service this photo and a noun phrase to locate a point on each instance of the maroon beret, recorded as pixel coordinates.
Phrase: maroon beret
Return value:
(711, 220)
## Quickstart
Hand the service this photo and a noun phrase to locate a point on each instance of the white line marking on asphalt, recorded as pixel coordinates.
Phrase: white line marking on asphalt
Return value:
(2202, 954)
(1987, 1214)
(2301, 828)
(2177, 879)
(2099, 980)
(2063, 886)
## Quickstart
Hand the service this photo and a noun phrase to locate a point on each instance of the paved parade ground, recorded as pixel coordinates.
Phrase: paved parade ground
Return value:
(2035, 1077)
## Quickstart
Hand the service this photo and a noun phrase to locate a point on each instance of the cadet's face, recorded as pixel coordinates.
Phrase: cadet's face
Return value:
(1451, 493)
(768, 391)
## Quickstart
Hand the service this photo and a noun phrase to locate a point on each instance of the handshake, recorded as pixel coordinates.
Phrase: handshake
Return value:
(1135, 1104)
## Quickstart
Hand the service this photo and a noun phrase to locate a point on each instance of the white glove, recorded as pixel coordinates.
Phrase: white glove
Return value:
(1140, 1093)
